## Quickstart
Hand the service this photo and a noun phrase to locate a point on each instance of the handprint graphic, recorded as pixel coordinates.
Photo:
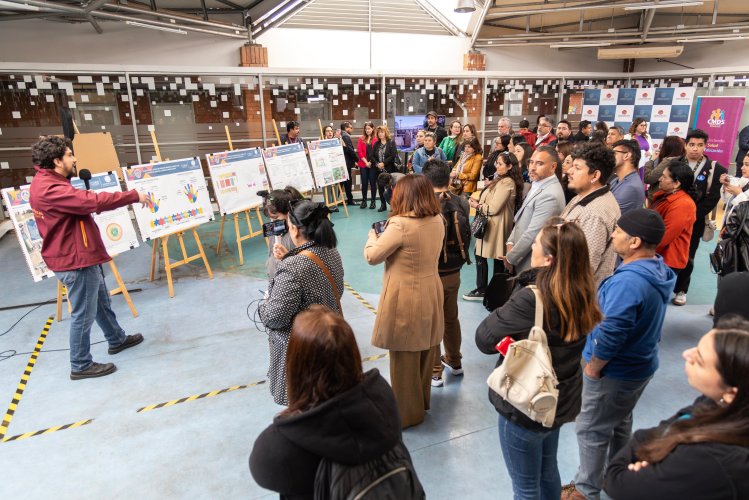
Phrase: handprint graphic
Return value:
(153, 204)
(191, 193)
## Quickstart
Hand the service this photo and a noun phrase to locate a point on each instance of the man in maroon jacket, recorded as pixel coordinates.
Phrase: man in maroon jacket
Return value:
(74, 250)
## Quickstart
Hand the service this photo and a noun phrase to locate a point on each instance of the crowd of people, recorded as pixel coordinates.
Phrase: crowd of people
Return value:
(593, 256)
(576, 223)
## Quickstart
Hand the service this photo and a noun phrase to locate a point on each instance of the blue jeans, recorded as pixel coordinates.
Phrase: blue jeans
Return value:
(531, 459)
(603, 427)
(89, 297)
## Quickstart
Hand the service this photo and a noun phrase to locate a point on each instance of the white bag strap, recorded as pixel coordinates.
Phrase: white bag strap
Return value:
(537, 333)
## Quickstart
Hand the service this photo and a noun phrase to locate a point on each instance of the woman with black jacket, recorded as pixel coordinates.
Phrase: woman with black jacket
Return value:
(384, 155)
(335, 411)
(702, 452)
(570, 311)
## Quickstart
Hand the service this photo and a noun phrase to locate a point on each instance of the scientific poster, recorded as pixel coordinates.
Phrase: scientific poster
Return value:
(17, 202)
(237, 176)
(328, 162)
(115, 226)
(287, 166)
(178, 193)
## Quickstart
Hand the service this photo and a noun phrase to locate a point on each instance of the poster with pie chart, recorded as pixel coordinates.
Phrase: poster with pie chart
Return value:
(115, 226)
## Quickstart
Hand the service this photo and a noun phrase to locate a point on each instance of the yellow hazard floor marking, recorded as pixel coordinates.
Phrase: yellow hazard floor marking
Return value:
(359, 297)
(49, 430)
(198, 396)
(24, 380)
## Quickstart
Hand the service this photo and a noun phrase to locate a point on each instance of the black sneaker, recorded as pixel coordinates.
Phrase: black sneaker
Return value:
(93, 371)
(350, 202)
(372, 204)
(363, 204)
(130, 341)
(474, 295)
(382, 208)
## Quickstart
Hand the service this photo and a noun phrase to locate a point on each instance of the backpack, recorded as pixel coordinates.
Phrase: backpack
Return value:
(455, 250)
(526, 377)
(389, 477)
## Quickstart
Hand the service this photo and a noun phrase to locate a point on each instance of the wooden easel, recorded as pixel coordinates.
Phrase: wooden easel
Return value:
(240, 238)
(275, 129)
(164, 240)
(121, 288)
(336, 200)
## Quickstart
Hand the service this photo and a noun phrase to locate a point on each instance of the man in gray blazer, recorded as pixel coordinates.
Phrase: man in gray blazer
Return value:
(544, 200)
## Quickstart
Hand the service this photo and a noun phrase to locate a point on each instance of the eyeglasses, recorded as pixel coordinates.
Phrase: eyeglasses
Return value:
(621, 152)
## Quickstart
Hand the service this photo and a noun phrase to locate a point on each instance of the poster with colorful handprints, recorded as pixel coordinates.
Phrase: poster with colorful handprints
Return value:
(178, 193)
(237, 176)
(115, 226)
(17, 202)
(328, 162)
(288, 166)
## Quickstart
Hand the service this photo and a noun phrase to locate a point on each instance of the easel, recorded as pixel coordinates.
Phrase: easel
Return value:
(121, 288)
(252, 233)
(336, 200)
(168, 266)
(275, 129)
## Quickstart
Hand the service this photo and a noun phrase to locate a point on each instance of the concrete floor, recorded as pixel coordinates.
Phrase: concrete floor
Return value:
(202, 341)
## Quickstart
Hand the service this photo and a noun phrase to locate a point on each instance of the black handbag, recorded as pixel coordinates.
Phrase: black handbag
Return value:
(478, 225)
(725, 258)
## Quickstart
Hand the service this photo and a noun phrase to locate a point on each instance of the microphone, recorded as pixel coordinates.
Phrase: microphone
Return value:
(85, 176)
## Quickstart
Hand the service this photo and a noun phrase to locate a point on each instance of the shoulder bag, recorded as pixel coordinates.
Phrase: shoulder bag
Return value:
(526, 378)
(314, 258)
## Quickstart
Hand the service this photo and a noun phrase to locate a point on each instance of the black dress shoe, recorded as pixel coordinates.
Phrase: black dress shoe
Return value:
(350, 202)
(93, 371)
(130, 341)
(382, 208)
(363, 204)
(372, 204)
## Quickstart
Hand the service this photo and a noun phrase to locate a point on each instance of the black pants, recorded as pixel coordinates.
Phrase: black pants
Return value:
(685, 276)
(347, 185)
(482, 271)
(369, 181)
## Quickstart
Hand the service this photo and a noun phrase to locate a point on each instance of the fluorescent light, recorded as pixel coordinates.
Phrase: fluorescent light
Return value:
(640, 52)
(154, 27)
(575, 45)
(724, 39)
(647, 6)
(19, 6)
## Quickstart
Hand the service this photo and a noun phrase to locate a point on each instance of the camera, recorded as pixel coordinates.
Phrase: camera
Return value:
(275, 228)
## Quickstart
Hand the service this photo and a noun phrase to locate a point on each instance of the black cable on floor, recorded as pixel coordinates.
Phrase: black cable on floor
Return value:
(29, 312)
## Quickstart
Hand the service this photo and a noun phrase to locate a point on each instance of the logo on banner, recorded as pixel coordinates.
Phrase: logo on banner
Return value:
(717, 118)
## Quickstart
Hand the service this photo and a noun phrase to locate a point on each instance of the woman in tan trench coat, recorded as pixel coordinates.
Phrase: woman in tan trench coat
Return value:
(410, 314)
(499, 200)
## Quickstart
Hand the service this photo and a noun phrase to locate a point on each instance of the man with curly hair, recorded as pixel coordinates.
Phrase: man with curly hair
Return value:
(74, 250)
(594, 208)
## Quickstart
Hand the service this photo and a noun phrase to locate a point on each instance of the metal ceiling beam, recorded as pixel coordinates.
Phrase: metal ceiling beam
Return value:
(94, 5)
(80, 12)
(571, 8)
(437, 16)
(498, 24)
(95, 24)
(23, 17)
(480, 21)
(169, 14)
(231, 4)
(648, 22)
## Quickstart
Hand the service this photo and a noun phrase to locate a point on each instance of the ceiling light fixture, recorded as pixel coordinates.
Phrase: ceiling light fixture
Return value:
(641, 52)
(671, 5)
(576, 45)
(465, 7)
(19, 6)
(723, 39)
(154, 27)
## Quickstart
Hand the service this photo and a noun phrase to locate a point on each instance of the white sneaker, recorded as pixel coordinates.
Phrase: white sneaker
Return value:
(680, 299)
(437, 382)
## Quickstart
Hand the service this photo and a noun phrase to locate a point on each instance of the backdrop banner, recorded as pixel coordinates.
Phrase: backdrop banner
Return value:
(719, 117)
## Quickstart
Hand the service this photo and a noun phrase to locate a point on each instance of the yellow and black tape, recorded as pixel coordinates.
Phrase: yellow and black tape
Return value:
(375, 357)
(49, 430)
(24, 379)
(198, 396)
(359, 297)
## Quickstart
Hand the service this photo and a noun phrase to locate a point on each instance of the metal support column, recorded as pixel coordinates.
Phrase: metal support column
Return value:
(560, 101)
(262, 108)
(483, 111)
(132, 117)
(383, 101)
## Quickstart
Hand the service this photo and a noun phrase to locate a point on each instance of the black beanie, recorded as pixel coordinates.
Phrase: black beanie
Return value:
(645, 224)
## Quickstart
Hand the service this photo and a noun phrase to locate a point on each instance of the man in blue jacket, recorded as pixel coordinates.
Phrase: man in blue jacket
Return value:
(622, 351)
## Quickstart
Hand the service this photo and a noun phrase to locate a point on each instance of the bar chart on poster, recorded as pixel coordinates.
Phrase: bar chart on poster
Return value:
(237, 176)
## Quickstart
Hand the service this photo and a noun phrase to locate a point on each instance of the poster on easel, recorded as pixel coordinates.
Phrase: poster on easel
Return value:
(19, 209)
(328, 162)
(115, 226)
(237, 176)
(178, 193)
(287, 166)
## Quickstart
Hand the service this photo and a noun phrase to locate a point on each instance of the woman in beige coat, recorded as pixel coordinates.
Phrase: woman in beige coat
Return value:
(410, 314)
(499, 200)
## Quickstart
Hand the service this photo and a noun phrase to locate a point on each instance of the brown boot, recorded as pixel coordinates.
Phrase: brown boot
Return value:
(569, 492)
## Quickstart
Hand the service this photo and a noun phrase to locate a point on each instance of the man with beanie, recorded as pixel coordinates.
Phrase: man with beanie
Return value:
(621, 353)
